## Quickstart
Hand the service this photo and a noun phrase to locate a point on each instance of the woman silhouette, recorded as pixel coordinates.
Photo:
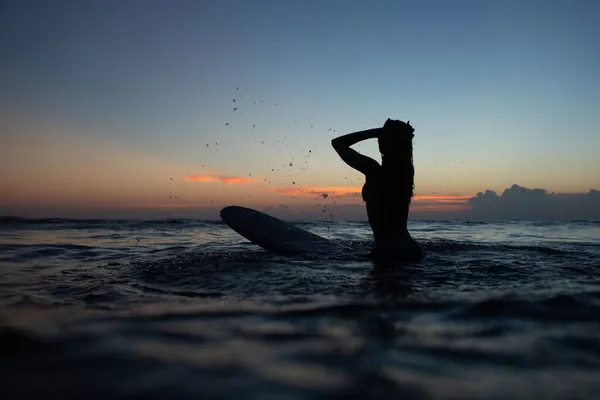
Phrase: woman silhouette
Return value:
(388, 187)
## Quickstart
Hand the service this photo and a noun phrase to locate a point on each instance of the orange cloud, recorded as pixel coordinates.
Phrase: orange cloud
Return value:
(312, 191)
(438, 207)
(207, 178)
(200, 178)
(235, 179)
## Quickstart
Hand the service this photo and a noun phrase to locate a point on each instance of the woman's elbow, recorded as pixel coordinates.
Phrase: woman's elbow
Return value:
(335, 143)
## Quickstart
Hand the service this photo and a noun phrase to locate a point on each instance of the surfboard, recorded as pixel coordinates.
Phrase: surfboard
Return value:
(273, 234)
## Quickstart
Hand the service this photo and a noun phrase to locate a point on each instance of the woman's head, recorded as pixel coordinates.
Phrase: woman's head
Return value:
(396, 138)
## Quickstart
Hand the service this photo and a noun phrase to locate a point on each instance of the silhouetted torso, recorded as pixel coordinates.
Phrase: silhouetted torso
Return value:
(388, 187)
(387, 201)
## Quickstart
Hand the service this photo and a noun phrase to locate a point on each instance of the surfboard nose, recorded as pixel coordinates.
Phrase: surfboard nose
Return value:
(227, 210)
(222, 211)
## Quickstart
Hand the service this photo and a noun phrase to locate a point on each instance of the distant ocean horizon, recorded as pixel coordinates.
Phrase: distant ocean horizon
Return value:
(516, 203)
(444, 217)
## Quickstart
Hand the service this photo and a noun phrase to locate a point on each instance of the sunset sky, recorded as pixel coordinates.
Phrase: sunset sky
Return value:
(177, 108)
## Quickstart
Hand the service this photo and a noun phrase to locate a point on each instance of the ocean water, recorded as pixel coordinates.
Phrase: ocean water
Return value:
(189, 309)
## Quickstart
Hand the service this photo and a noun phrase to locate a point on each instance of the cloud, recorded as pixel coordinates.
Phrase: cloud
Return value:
(514, 203)
(518, 202)
(200, 178)
(458, 206)
(235, 179)
(317, 191)
(226, 179)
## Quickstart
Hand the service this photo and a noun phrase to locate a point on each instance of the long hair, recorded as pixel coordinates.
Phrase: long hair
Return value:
(395, 146)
